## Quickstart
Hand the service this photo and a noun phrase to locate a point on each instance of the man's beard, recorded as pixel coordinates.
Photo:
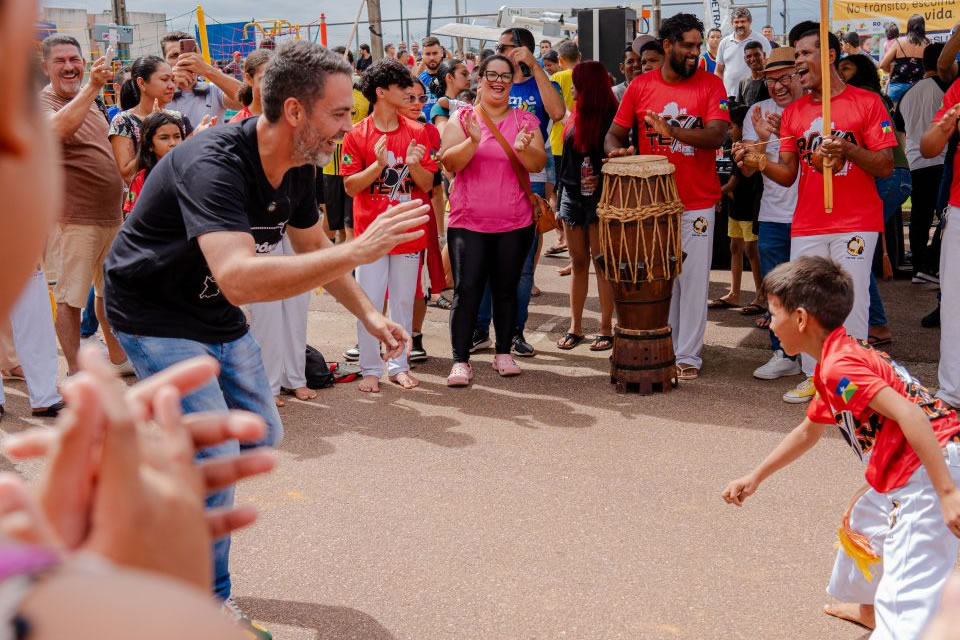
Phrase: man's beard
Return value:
(680, 67)
(307, 148)
(433, 66)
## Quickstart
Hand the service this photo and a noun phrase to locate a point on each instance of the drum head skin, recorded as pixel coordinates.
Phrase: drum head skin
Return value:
(640, 166)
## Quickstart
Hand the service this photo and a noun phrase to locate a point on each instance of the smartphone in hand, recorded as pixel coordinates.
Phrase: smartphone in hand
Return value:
(188, 45)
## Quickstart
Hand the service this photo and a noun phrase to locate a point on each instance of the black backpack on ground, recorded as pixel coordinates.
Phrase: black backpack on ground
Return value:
(317, 372)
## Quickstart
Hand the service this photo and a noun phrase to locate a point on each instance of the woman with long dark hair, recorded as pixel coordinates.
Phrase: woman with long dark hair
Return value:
(253, 68)
(491, 228)
(904, 59)
(151, 79)
(893, 190)
(452, 77)
(579, 176)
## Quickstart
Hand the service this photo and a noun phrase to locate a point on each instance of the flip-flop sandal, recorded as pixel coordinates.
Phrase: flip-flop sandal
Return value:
(874, 341)
(763, 322)
(442, 302)
(752, 310)
(601, 343)
(687, 372)
(555, 251)
(720, 303)
(570, 341)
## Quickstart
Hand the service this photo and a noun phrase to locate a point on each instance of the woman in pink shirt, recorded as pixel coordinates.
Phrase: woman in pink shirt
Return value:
(491, 228)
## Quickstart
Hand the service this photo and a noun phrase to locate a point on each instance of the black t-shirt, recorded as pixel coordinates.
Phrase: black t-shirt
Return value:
(568, 173)
(752, 91)
(746, 196)
(157, 279)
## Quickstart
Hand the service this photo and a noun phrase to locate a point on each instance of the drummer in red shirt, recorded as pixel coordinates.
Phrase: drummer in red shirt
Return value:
(385, 161)
(682, 114)
(860, 150)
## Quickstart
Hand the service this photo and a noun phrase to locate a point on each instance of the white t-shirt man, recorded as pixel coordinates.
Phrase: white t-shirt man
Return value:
(730, 55)
(778, 203)
(917, 108)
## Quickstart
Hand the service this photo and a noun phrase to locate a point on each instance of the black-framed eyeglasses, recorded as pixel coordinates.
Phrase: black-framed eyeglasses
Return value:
(493, 76)
(784, 80)
(503, 48)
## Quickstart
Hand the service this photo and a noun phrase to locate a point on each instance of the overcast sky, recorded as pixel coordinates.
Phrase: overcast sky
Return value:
(297, 11)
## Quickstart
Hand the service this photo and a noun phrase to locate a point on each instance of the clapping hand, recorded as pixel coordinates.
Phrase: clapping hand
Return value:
(472, 124)
(523, 139)
(948, 123)
(380, 149)
(116, 487)
(415, 153)
(763, 125)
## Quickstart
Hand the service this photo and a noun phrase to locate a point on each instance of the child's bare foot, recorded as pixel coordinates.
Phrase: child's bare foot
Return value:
(304, 393)
(405, 380)
(861, 614)
(369, 384)
(279, 401)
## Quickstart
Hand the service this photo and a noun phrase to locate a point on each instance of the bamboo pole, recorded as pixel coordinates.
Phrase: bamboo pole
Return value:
(356, 22)
(826, 74)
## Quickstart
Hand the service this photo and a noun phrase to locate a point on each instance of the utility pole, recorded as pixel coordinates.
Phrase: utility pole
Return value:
(401, 21)
(456, 10)
(376, 29)
(120, 18)
(429, 15)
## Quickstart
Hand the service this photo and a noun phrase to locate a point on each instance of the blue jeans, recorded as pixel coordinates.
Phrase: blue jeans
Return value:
(242, 384)
(773, 243)
(524, 286)
(894, 191)
(88, 321)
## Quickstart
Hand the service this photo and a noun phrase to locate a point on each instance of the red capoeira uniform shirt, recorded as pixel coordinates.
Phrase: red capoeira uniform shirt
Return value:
(850, 373)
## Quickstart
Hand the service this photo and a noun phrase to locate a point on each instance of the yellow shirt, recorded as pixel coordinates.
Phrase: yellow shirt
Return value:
(565, 80)
(361, 109)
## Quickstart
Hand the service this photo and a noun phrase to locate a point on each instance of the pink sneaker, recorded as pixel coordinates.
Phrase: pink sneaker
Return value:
(505, 365)
(460, 375)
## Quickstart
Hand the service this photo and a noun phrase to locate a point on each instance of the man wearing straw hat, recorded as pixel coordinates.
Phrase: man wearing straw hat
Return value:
(761, 130)
(858, 150)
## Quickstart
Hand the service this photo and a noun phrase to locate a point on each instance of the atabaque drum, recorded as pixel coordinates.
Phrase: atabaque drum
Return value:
(639, 227)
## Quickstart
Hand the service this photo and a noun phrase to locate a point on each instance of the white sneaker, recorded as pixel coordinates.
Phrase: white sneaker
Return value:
(125, 368)
(802, 393)
(777, 366)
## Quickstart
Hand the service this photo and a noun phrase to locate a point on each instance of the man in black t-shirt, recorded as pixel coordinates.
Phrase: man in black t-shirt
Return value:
(187, 256)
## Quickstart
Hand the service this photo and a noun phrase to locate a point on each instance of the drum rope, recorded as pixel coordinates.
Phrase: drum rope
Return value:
(664, 201)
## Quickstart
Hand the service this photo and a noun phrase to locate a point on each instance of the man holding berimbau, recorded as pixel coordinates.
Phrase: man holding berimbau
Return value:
(859, 151)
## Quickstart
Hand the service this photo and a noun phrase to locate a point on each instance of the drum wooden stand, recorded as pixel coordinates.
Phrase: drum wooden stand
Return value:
(639, 214)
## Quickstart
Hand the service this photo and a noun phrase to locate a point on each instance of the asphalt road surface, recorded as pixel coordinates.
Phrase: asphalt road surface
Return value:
(548, 506)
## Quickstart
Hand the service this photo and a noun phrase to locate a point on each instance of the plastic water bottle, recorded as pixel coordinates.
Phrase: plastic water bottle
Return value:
(586, 171)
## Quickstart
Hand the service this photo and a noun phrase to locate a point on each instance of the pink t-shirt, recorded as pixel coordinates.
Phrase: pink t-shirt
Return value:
(486, 196)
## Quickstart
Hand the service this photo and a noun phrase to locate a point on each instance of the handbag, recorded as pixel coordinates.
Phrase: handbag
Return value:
(543, 216)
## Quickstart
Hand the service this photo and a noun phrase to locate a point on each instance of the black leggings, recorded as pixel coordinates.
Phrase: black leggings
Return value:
(926, 186)
(477, 258)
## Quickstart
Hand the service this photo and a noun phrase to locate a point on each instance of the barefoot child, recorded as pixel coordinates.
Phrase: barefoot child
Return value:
(907, 439)
(385, 161)
(744, 193)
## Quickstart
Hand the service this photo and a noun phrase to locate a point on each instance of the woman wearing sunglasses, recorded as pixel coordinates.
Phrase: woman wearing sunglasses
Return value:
(491, 219)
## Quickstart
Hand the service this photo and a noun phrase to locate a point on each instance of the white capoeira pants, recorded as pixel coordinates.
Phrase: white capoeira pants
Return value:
(280, 328)
(398, 272)
(949, 372)
(854, 252)
(906, 529)
(688, 306)
(36, 342)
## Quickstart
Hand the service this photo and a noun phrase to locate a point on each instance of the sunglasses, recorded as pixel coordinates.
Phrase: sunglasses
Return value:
(421, 99)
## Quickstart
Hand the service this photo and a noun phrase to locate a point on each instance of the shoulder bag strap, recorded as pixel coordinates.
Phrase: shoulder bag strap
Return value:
(522, 175)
